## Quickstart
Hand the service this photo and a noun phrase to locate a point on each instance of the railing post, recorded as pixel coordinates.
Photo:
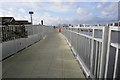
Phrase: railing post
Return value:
(92, 47)
(70, 36)
(108, 51)
(104, 51)
(0, 61)
(1, 42)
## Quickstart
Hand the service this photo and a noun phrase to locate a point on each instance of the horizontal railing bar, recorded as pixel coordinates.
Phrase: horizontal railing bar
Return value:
(115, 28)
(116, 45)
(90, 37)
(98, 27)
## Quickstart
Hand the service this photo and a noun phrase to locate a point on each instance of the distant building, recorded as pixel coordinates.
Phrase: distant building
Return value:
(12, 29)
(115, 24)
(6, 20)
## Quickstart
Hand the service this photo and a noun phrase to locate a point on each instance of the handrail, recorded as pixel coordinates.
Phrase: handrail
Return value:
(93, 45)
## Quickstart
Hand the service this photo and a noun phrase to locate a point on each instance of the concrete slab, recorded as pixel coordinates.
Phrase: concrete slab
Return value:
(48, 58)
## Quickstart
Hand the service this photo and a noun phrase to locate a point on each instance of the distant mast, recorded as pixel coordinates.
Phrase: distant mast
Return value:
(119, 11)
(31, 12)
(41, 22)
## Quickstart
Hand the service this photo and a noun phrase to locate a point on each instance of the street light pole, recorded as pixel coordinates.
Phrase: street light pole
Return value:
(31, 12)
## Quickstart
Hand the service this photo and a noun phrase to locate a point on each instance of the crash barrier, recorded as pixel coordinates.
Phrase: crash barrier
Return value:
(97, 48)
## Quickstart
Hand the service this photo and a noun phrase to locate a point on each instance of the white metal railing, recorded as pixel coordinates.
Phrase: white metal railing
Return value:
(113, 53)
(91, 46)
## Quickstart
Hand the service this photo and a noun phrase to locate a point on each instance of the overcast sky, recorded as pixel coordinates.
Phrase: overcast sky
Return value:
(61, 12)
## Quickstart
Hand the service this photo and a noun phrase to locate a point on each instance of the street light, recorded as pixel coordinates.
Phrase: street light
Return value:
(31, 12)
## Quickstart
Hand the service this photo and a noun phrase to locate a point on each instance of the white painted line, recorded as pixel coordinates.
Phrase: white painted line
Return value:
(44, 37)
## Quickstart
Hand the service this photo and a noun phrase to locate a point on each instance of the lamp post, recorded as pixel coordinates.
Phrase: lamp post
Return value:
(31, 12)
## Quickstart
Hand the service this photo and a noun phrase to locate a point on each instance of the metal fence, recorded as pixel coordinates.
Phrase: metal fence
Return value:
(97, 49)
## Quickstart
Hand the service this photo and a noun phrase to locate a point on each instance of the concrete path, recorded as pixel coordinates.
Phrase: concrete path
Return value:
(48, 58)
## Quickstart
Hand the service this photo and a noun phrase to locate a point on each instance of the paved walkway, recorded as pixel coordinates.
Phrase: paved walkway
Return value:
(48, 58)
